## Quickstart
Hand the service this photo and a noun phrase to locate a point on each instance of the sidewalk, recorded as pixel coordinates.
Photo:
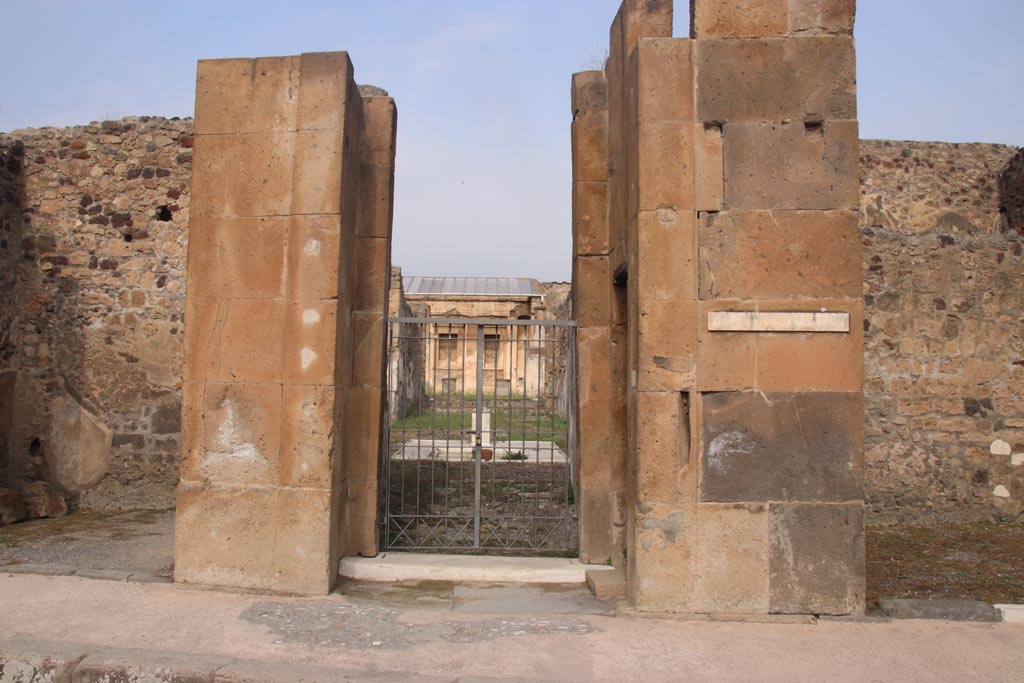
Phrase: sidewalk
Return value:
(437, 631)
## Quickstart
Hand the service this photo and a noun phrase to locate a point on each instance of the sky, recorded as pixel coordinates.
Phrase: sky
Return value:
(483, 178)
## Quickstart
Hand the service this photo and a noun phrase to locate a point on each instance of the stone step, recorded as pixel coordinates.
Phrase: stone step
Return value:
(607, 583)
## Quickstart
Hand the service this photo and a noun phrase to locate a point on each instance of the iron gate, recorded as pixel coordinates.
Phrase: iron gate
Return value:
(480, 439)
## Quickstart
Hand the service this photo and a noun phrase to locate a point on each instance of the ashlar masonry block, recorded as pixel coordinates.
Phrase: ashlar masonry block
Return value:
(800, 447)
(777, 254)
(791, 166)
(771, 80)
(738, 18)
(818, 17)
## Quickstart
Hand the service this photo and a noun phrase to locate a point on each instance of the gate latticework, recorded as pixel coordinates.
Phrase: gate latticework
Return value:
(481, 436)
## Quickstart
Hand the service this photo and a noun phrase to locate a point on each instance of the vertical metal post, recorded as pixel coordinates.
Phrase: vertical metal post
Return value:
(479, 427)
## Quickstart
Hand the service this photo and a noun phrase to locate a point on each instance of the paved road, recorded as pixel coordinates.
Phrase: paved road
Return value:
(436, 629)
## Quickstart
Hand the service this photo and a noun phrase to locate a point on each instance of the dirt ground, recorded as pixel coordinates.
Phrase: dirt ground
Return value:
(966, 562)
(140, 541)
(962, 562)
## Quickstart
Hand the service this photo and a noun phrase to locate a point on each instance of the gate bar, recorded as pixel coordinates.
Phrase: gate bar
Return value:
(479, 430)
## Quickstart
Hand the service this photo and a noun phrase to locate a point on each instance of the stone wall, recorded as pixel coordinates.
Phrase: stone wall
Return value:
(944, 342)
(100, 294)
(406, 362)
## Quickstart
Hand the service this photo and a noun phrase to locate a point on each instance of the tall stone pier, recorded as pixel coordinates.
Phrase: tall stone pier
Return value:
(288, 265)
(718, 290)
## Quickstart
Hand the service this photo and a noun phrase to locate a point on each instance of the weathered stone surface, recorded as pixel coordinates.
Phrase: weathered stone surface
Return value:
(592, 281)
(645, 19)
(590, 146)
(709, 176)
(590, 218)
(782, 447)
(764, 81)
(666, 345)
(949, 610)
(733, 559)
(26, 661)
(79, 448)
(666, 245)
(589, 91)
(738, 18)
(135, 666)
(790, 166)
(817, 559)
(663, 85)
(246, 95)
(42, 499)
(766, 254)
(661, 570)
(664, 473)
(816, 17)
(665, 165)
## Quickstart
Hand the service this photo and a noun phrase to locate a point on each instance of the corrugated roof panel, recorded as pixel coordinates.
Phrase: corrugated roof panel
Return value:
(470, 286)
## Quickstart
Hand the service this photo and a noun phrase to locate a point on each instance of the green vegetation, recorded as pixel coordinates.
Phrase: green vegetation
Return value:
(528, 424)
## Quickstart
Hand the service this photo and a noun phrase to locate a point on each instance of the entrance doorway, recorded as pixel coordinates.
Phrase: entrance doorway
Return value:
(480, 448)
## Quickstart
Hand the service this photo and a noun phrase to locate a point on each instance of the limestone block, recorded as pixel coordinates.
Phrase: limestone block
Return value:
(246, 95)
(664, 80)
(223, 536)
(372, 270)
(778, 321)
(815, 17)
(42, 499)
(733, 559)
(812, 361)
(590, 218)
(590, 146)
(591, 290)
(192, 439)
(307, 436)
(368, 349)
(249, 343)
(817, 559)
(664, 170)
(667, 345)
(663, 470)
(662, 558)
(738, 18)
(791, 166)
(204, 322)
(595, 445)
(645, 19)
(317, 172)
(667, 255)
(324, 79)
(726, 361)
(309, 352)
(241, 435)
(594, 361)
(596, 526)
(302, 544)
(772, 80)
(377, 189)
(265, 189)
(589, 91)
(765, 254)
(236, 257)
(362, 434)
(709, 180)
(380, 127)
(805, 447)
(78, 451)
(361, 519)
(313, 257)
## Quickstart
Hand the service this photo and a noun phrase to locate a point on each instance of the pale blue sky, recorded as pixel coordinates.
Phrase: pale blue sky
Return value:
(482, 86)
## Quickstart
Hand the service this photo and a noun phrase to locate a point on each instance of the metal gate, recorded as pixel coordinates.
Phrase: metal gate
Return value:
(481, 452)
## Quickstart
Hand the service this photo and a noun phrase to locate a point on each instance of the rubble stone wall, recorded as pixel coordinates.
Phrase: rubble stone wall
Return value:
(102, 212)
(944, 341)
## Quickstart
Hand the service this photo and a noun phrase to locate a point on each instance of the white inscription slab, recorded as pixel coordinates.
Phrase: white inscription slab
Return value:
(777, 321)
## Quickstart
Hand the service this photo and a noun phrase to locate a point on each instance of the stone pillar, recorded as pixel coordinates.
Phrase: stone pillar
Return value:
(592, 290)
(738, 149)
(279, 322)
